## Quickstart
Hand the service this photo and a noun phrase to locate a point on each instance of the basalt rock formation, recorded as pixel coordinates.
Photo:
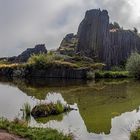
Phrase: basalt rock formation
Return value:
(24, 56)
(93, 34)
(68, 44)
(105, 42)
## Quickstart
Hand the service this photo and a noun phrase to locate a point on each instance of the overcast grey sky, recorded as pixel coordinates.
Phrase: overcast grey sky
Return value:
(24, 23)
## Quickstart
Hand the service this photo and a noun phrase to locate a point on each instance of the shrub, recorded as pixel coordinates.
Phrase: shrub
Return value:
(40, 59)
(133, 65)
(111, 74)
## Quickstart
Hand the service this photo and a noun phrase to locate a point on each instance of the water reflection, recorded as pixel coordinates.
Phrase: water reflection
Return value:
(106, 109)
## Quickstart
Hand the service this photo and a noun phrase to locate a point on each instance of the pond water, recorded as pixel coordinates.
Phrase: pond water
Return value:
(107, 109)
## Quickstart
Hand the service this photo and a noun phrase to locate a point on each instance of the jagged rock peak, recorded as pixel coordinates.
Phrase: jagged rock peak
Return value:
(93, 12)
(93, 32)
(24, 56)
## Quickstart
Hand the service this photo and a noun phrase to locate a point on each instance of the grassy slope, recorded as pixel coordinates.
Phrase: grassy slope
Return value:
(32, 133)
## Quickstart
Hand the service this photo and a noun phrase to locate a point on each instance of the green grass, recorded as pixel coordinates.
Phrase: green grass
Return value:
(43, 61)
(26, 108)
(32, 133)
(112, 74)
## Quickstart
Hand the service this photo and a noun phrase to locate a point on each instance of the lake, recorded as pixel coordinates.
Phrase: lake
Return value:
(106, 109)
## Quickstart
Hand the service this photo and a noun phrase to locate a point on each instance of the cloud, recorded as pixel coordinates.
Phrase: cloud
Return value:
(24, 23)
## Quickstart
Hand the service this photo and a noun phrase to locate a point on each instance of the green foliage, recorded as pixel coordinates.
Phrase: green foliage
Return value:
(133, 65)
(32, 133)
(48, 60)
(117, 68)
(26, 111)
(45, 110)
(97, 66)
(4, 62)
(135, 135)
(111, 74)
(40, 59)
(59, 107)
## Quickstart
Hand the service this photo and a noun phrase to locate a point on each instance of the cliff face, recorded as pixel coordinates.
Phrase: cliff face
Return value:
(122, 44)
(93, 34)
(49, 72)
(102, 43)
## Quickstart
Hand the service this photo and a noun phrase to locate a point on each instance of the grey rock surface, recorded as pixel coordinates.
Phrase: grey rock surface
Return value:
(103, 42)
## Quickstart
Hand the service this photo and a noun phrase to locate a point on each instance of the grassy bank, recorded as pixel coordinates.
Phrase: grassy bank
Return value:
(112, 74)
(21, 129)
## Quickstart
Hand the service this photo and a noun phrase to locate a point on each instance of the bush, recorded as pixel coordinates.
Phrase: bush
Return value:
(40, 59)
(133, 65)
(112, 74)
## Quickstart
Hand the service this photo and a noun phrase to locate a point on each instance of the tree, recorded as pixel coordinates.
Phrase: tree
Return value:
(133, 65)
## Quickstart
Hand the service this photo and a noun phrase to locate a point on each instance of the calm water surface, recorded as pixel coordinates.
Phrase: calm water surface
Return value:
(107, 110)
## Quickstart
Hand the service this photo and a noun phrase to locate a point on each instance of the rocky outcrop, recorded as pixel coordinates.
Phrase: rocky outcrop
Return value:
(52, 71)
(68, 44)
(93, 34)
(122, 44)
(24, 56)
(105, 42)
(63, 72)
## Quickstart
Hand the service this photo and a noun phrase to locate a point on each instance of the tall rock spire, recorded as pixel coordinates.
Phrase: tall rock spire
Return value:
(97, 40)
(93, 34)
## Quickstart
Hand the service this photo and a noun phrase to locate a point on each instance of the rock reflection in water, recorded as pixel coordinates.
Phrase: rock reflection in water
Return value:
(107, 109)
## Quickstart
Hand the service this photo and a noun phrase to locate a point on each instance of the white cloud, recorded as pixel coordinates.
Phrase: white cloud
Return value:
(24, 23)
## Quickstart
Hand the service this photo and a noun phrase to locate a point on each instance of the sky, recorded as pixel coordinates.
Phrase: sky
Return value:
(25, 23)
